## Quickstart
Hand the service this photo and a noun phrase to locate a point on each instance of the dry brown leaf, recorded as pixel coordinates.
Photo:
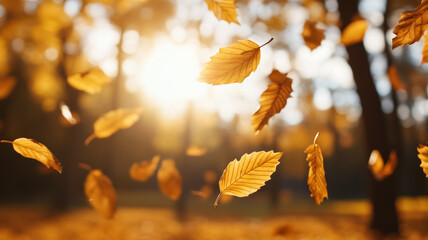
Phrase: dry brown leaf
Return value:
(246, 176)
(425, 49)
(223, 10)
(195, 151)
(30, 148)
(169, 179)
(423, 156)
(354, 32)
(144, 170)
(7, 84)
(232, 64)
(395, 79)
(100, 193)
(316, 176)
(91, 81)
(377, 167)
(312, 35)
(113, 121)
(411, 26)
(272, 101)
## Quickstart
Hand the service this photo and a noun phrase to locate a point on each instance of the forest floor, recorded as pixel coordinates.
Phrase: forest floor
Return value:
(339, 220)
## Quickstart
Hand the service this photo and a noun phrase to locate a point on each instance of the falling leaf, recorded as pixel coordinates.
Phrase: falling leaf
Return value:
(423, 156)
(100, 193)
(91, 81)
(195, 151)
(7, 84)
(411, 26)
(425, 50)
(395, 79)
(30, 148)
(246, 176)
(312, 35)
(113, 121)
(377, 167)
(316, 176)
(272, 101)
(223, 10)
(232, 64)
(144, 170)
(169, 179)
(70, 118)
(354, 32)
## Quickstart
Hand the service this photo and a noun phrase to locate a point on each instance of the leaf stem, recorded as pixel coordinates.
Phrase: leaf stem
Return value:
(89, 139)
(316, 137)
(6, 141)
(216, 200)
(266, 43)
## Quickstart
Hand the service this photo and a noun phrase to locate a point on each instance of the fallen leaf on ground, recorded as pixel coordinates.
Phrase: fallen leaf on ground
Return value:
(223, 10)
(169, 179)
(100, 193)
(30, 148)
(91, 81)
(312, 35)
(144, 170)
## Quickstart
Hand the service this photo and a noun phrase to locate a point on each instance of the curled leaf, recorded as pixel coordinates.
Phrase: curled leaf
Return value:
(246, 176)
(312, 35)
(354, 32)
(423, 156)
(195, 151)
(169, 179)
(411, 26)
(144, 170)
(316, 176)
(100, 193)
(223, 10)
(91, 81)
(377, 167)
(30, 148)
(272, 101)
(232, 64)
(113, 121)
(7, 84)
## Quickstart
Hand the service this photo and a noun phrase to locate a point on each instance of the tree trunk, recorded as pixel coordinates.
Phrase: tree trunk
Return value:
(382, 193)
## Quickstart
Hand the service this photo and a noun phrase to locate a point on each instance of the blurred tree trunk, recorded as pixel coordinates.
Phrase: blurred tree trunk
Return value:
(382, 193)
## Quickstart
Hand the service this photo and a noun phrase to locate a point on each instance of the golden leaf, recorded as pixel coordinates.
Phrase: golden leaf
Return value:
(316, 176)
(395, 79)
(232, 64)
(30, 148)
(100, 193)
(246, 176)
(113, 121)
(425, 50)
(91, 81)
(7, 84)
(423, 156)
(169, 179)
(377, 167)
(354, 32)
(312, 35)
(272, 101)
(411, 26)
(144, 170)
(223, 10)
(195, 151)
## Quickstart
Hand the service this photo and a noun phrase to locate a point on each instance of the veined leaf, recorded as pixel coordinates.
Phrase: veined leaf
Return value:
(223, 10)
(113, 121)
(425, 49)
(169, 179)
(272, 101)
(411, 26)
(30, 148)
(423, 156)
(312, 35)
(7, 84)
(354, 32)
(232, 64)
(144, 170)
(100, 193)
(246, 176)
(91, 81)
(195, 151)
(377, 167)
(395, 79)
(316, 176)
